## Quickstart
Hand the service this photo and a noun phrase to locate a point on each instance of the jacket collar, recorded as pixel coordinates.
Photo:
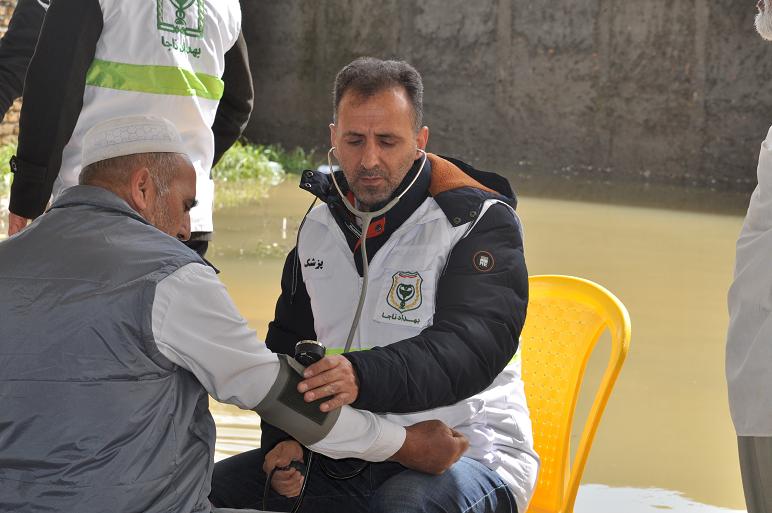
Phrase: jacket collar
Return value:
(95, 197)
(99, 197)
(452, 174)
(320, 185)
(382, 227)
(458, 188)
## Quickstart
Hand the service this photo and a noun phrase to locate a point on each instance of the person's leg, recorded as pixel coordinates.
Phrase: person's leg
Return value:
(467, 487)
(756, 469)
(239, 481)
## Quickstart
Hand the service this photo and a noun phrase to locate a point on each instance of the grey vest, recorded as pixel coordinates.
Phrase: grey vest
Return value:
(92, 417)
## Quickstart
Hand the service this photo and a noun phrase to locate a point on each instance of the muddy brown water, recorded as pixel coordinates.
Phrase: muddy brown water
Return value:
(666, 441)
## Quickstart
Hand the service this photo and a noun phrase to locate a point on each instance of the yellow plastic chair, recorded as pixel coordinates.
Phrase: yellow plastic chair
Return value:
(566, 317)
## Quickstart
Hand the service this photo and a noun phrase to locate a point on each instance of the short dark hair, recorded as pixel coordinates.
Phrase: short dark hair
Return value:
(367, 76)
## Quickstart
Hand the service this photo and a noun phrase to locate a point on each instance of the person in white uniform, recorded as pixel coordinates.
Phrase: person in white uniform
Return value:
(749, 338)
(100, 59)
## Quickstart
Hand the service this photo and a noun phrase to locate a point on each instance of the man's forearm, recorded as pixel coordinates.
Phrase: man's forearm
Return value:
(363, 435)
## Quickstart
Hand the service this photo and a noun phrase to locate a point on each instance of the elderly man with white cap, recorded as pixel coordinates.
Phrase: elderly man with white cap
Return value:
(113, 333)
(749, 339)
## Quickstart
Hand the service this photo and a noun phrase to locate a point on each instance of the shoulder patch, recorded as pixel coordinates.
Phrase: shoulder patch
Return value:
(483, 261)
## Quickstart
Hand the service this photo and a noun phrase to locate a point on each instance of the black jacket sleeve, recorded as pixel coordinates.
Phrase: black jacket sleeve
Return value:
(236, 104)
(16, 49)
(293, 322)
(53, 98)
(477, 322)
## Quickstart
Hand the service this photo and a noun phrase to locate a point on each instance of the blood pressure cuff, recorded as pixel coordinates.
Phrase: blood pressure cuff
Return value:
(285, 408)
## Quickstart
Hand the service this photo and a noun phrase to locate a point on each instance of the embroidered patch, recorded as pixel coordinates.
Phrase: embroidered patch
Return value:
(483, 261)
(405, 292)
(181, 16)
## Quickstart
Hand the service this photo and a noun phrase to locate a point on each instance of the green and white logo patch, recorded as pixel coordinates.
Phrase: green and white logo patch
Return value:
(184, 17)
(405, 292)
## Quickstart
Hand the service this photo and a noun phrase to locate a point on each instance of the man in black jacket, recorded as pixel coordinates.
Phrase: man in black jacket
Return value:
(445, 304)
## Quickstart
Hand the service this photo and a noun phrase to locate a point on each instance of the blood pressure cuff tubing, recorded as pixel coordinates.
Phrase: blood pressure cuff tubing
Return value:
(285, 408)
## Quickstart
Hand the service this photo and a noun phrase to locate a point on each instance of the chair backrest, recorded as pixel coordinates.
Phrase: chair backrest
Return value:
(566, 317)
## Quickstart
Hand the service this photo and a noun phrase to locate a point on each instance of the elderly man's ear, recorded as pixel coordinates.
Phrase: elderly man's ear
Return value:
(142, 189)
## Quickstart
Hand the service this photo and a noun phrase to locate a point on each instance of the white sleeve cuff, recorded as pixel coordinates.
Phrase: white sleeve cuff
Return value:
(363, 435)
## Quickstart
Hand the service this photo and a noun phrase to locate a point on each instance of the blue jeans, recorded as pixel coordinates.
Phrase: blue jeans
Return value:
(467, 487)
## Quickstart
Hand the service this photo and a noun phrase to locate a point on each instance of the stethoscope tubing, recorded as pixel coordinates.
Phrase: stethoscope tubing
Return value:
(366, 218)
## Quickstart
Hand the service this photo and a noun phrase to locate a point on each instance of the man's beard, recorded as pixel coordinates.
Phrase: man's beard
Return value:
(369, 197)
(764, 21)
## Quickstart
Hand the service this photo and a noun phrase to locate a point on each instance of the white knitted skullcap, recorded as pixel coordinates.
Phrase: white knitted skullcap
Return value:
(130, 135)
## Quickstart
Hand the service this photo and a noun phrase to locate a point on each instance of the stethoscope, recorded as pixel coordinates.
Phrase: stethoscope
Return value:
(309, 351)
(366, 218)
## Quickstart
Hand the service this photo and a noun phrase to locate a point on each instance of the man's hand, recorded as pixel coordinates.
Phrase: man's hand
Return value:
(285, 482)
(16, 223)
(331, 376)
(431, 447)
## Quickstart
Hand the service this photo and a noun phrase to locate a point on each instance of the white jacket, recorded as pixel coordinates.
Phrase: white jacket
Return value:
(496, 421)
(749, 340)
(152, 58)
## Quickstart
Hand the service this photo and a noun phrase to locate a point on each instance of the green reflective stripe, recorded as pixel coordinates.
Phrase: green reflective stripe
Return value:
(154, 79)
(340, 350)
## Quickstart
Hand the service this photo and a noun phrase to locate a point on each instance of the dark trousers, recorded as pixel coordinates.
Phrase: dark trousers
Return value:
(756, 470)
(468, 486)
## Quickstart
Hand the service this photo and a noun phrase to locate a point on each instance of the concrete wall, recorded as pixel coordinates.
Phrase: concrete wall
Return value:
(672, 91)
